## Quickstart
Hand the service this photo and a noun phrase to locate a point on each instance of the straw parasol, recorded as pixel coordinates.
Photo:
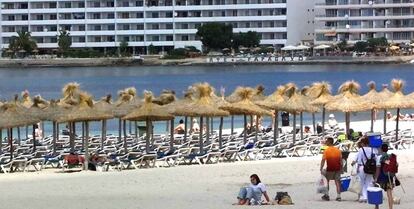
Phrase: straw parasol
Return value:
(104, 105)
(202, 106)
(126, 103)
(150, 112)
(348, 100)
(383, 96)
(70, 95)
(398, 101)
(296, 103)
(273, 101)
(84, 112)
(320, 92)
(37, 111)
(374, 99)
(245, 107)
(166, 97)
(11, 116)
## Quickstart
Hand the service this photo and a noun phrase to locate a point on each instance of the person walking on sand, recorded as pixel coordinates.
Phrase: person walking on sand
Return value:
(332, 157)
(364, 155)
(387, 167)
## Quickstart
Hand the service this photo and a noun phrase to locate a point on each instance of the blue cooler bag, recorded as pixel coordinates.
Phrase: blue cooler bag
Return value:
(374, 195)
(375, 140)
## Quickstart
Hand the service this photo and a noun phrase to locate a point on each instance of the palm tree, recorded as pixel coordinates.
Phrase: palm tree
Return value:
(64, 41)
(23, 41)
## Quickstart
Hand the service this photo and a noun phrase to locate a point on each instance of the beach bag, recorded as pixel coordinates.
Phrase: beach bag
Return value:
(355, 185)
(283, 198)
(390, 165)
(322, 185)
(370, 166)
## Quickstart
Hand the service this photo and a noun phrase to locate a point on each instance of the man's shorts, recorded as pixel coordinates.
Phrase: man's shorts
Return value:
(333, 175)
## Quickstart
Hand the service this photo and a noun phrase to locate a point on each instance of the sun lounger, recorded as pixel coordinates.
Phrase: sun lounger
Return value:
(14, 165)
(211, 157)
(147, 160)
(36, 163)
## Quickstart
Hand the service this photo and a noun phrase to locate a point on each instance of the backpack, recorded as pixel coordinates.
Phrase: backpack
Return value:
(283, 198)
(390, 165)
(370, 166)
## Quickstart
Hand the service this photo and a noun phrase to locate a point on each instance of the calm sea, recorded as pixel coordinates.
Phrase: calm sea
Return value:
(100, 81)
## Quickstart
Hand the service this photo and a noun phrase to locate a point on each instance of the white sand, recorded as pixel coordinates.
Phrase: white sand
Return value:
(192, 187)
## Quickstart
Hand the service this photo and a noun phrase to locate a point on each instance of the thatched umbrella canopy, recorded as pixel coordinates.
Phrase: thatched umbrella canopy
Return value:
(11, 116)
(348, 100)
(26, 100)
(202, 106)
(166, 97)
(259, 93)
(245, 106)
(274, 102)
(296, 103)
(70, 94)
(374, 99)
(321, 94)
(126, 103)
(104, 105)
(398, 101)
(383, 95)
(187, 99)
(37, 111)
(84, 112)
(149, 112)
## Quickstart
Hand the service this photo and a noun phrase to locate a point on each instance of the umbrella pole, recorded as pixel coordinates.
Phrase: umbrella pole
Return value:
(57, 130)
(103, 137)
(125, 137)
(220, 133)
(18, 135)
(314, 122)
(232, 125)
(1, 141)
(301, 126)
(251, 123)
(347, 125)
(185, 128)
(27, 132)
(34, 138)
(276, 128)
(83, 134)
(372, 120)
(147, 137)
(397, 124)
(171, 134)
(385, 121)
(72, 136)
(43, 129)
(136, 130)
(294, 128)
(245, 130)
(119, 130)
(323, 120)
(201, 135)
(10, 141)
(257, 129)
(130, 127)
(54, 136)
(207, 130)
(211, 125)
(86, 125)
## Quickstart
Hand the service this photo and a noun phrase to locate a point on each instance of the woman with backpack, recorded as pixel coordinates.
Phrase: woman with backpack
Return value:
(366, 161)
(387, 167)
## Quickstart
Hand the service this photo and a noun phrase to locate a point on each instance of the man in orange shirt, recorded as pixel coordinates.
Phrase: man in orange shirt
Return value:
(333, 158)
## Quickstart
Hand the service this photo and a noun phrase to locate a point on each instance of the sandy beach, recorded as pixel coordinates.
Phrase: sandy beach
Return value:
(206, 186)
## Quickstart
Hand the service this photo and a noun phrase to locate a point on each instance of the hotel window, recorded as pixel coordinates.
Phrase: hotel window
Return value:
(125, 27)
(140, 15)
(184, 38)
(25, 17)
(111, 27)
(155, 15)
(155, 38)
(139, 3)
(53, 17)
(169, 38)
(169, 26)
(52, 5)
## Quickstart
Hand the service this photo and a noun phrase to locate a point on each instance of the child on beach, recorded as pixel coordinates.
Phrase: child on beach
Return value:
(252, 194)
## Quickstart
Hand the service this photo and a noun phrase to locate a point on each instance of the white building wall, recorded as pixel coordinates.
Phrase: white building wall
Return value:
(300, 21)
(165, 23)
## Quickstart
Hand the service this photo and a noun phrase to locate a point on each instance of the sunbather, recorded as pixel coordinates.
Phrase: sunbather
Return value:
(252, 194)
(180, 129)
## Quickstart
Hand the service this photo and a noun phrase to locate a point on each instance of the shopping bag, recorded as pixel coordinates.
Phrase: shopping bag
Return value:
(355, 185)
(354, 170)
(322, 185)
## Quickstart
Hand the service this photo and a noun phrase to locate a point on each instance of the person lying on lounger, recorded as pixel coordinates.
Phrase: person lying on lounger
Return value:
(252, 194)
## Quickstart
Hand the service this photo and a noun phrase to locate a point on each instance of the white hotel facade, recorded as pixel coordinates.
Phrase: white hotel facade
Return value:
(355, 20)
(165, 24)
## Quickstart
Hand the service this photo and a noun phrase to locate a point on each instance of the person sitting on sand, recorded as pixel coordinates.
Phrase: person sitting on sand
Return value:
(74, 159)
(180, 129)
(252, 194)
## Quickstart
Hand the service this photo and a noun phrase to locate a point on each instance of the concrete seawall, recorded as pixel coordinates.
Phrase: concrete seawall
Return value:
(201, 61)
